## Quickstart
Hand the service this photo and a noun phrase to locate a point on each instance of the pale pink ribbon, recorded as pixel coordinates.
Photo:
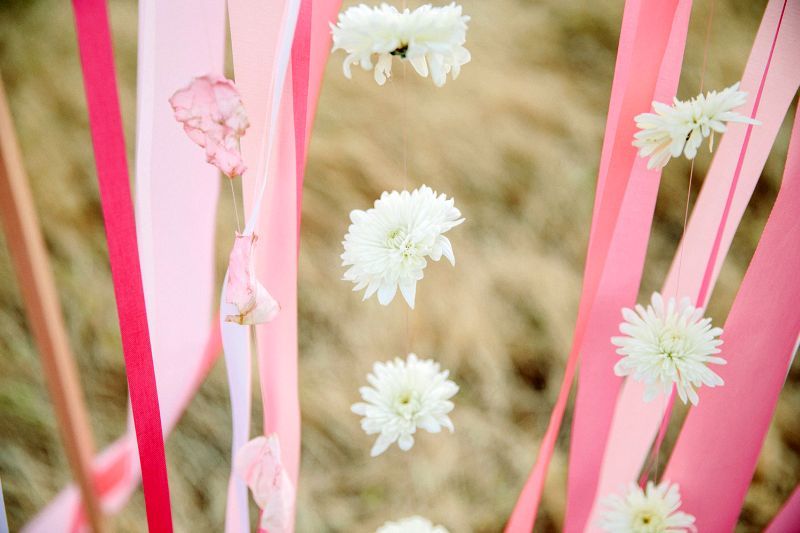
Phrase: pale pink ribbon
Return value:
(176, 194)
(716, 452)
(262, 39)
(648, 63)
(635, 423)
(261, 62)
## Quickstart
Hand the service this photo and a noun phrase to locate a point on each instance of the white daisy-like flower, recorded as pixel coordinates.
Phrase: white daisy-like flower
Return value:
(387, 246)
(653, 510)
(404, 396)
(430, 38)
(682, 126)
(413, 524)
(668, 344)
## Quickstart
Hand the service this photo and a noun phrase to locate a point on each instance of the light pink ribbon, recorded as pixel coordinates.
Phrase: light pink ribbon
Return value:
(716, 452)
(262, 39)
(262, 48)
(176, 192)
(647, 66)
(635, 423)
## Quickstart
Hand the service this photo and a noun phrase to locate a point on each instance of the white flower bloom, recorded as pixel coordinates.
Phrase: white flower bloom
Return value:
(653, 510)
(413, 524)
(682, 126)
(386, 247)
(668, 344)
(430, 38)
(404, 396)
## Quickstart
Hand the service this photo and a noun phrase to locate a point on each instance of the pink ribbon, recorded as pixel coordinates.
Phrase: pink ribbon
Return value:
(97, 62)
(647, 66)
(176, 199)
(716, 453)
(598, 387)
(279, 122)
(635, 423)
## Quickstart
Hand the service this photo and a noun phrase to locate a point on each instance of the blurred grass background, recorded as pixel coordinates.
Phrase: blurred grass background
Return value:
(516, 140)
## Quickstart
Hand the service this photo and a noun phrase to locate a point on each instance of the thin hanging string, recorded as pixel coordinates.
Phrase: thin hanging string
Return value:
(404, 91)
(211, 68)
(654, 458)
(404, 119)
(235, 208)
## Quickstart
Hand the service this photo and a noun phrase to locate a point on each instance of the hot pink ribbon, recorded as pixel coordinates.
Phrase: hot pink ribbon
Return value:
(716, 453)
(647, 65)
(598, 386)
(97, 62)
(176, 195)
(635, 423)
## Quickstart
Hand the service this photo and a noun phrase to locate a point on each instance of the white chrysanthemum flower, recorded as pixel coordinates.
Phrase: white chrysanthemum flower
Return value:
(668, 344)
(404, 396)
(653, 510)
(430, 38)
(682, 126)
(387, 246)
(413, 524)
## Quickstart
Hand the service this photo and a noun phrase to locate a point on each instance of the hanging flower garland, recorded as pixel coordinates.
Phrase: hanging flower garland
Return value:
(404, 396)
(413, 524)
(682, 126)
(668, 344)
(387, 247)
(652, 510)
(430, 38)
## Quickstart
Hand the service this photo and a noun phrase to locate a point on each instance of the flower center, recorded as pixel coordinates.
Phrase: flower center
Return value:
(400, 51)
(647, 521)
(406, 404)
(396, 238)
(671, 343)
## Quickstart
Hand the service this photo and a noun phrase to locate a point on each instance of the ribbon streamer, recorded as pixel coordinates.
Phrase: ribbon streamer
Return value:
(175, 201)
(649, 51)
(635, 422)
(598, 386)
(97, 60)
(264, 42)
(760, 337)
(275, 35)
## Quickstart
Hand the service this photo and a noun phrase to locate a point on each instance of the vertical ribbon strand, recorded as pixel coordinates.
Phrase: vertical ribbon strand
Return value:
(97, 60)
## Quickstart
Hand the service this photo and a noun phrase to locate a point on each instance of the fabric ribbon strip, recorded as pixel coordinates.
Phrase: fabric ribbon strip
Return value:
(650, 51)
(264, 43)
(635, 423)
(598, 386)
(97, 60)
(271, 42)
(175, 202)
(760, 337)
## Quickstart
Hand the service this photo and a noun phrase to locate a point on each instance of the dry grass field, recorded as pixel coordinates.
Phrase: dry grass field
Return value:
(516, 140)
